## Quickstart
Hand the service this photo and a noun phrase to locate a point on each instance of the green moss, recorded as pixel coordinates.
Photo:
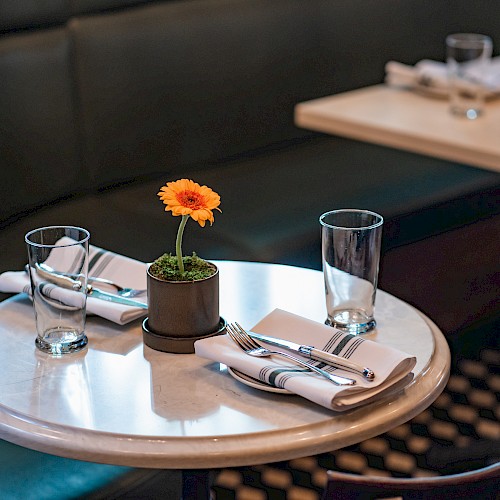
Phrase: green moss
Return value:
(195, 268)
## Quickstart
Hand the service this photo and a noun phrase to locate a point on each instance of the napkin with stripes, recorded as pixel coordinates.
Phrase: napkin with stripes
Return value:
(392, 367)
(121, 270)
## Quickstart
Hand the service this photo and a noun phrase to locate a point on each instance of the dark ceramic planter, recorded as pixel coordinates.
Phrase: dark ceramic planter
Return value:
(181, 312)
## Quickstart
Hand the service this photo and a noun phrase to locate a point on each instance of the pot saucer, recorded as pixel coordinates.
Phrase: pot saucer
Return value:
(176, 345)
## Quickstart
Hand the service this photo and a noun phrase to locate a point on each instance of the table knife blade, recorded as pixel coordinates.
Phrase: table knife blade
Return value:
(110, 297)
(316, 354)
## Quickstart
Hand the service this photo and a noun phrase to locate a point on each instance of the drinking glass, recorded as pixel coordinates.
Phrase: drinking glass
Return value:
(58, 269)
(351, 252)
(467, 56)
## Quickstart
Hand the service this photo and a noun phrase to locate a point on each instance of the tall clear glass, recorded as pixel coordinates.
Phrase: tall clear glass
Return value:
(351, 253)
(58, 269)
(467, 55)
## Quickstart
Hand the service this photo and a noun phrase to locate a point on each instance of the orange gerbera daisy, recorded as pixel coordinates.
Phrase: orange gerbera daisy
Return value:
(186, 197)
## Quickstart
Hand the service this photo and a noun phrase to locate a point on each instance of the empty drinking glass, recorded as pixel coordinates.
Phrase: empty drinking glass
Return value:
(467, 57)
(58, 268)
(351, 253)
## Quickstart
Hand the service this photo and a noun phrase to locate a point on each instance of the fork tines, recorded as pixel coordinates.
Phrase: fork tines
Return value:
(243, 340)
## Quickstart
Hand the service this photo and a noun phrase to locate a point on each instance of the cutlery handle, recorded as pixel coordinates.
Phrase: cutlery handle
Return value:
(58, 279)
(337, 361)
(337, 380)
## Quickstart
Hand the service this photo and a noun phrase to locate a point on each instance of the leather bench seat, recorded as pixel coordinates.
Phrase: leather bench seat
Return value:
(271, 203)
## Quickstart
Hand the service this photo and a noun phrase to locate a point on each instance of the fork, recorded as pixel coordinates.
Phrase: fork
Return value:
(251, 347)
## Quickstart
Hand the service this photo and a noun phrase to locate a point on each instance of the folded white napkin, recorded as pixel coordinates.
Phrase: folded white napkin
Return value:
(121, 270)
(433, 76)
(392, 367)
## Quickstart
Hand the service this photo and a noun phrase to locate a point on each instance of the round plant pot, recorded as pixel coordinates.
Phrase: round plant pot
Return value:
(181, 312)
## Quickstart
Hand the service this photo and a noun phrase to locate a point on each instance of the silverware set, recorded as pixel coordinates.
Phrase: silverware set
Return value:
(318, 355)
(120, 290)
(251, 347)
(68, 281)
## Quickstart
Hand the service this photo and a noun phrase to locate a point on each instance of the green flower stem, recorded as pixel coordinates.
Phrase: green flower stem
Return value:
(178, 243)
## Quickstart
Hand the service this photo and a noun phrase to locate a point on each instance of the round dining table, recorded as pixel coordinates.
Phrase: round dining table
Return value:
(120, 402)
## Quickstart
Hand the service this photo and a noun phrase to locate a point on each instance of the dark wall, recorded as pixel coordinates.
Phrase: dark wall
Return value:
(96, 93)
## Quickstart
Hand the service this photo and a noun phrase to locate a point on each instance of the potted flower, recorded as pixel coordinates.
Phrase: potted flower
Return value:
(183, 291)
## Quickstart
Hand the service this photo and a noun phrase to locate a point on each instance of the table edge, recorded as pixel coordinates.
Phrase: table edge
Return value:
(227, 450)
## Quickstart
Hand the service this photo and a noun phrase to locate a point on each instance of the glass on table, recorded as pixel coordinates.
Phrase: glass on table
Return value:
(351, 253)
(467, 56)
(58, 269)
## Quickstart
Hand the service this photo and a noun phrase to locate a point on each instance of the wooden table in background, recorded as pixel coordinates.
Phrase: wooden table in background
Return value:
(405, 119)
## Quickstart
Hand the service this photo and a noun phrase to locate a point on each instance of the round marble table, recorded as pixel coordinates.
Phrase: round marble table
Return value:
(120, 402)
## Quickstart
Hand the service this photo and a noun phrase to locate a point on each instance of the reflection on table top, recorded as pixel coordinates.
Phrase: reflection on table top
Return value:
(407, 120)
(123, 403)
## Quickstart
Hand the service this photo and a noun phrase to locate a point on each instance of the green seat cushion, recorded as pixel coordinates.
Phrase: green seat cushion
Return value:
(27, 474)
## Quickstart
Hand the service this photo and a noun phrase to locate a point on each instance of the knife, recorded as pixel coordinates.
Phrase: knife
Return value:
(110, 297)
(65, 281)
(316, 354)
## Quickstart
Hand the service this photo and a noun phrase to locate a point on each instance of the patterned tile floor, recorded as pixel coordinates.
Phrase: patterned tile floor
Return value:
(460, 431)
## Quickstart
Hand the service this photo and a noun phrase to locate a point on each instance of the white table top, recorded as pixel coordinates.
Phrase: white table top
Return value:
(120, 402)
(407, 120)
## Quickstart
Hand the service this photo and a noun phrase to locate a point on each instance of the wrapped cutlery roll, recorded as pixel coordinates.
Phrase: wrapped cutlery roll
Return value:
(392, 367)
(432, 77)
(104, 264)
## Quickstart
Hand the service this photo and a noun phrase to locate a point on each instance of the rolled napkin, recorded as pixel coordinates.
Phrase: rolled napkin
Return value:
(121, 270)
(392, 367)
(433, 76)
